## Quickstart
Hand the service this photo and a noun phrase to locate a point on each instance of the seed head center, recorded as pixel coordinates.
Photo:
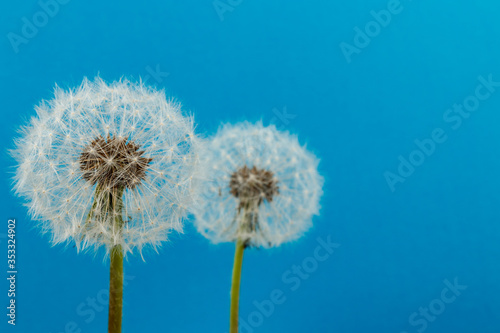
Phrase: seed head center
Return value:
(253, 186)
(114, 162)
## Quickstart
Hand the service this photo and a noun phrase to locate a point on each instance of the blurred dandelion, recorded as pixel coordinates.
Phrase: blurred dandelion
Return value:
(259, 188)
(107, 166)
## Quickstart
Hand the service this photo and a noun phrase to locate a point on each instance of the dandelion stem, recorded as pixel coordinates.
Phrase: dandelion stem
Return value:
(116, 266)
(115, 290)
(235, 288)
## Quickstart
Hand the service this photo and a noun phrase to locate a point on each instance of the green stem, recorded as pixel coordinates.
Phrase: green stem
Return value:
(116, 266)
(115, 290)
(235, 288)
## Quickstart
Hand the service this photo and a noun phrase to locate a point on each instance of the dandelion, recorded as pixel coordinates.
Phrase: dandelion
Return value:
(261, 188)
(107, 167)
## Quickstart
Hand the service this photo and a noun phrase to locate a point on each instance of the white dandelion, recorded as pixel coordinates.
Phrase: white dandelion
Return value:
(108, 166)
(260, 188)
(258, 184)
(122, 141)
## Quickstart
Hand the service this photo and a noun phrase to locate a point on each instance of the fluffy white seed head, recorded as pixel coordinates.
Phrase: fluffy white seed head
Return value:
(101, 140)
(258, 185)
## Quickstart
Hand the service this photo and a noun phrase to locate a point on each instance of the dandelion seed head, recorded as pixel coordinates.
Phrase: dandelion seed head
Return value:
(261, 173)
(106, 136)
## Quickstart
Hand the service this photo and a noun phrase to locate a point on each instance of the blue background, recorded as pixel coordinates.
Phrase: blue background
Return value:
(397, 247)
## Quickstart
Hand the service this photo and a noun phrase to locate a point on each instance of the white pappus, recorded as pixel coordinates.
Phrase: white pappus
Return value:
(101, 145)
(258, 185)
